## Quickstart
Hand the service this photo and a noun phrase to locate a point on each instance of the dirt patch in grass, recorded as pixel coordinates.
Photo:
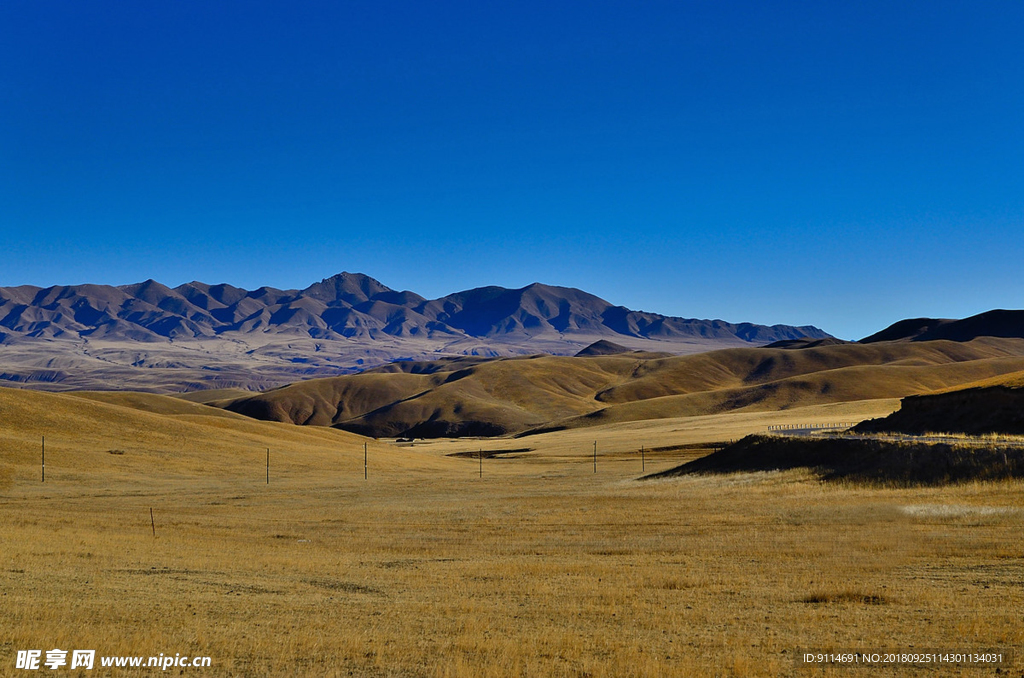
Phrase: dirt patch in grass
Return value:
(822, 598)
(345, 586)
(157, 571)
(491, 454)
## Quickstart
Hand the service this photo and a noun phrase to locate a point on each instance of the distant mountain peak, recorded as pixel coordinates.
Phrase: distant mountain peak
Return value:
(350, 288)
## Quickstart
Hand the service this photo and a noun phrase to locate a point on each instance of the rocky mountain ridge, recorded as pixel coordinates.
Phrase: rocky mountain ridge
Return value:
(347, 305)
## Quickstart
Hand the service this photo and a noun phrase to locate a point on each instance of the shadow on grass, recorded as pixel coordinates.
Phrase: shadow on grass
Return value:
(822, 598)
(872, 461)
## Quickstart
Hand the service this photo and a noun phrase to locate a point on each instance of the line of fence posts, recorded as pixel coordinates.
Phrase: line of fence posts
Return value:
(809, 427)
(42, 462)
(480, 460)
(480, 455)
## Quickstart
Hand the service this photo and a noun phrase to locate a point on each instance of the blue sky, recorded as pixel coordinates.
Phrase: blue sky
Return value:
(838, 164)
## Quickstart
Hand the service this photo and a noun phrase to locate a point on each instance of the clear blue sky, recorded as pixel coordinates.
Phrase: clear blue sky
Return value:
(838, 164)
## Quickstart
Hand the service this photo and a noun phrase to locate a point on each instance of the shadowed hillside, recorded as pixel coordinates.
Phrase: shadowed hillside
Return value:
(603, 347)
(541, 393)
(896, 463)
(806, 343)
(997, 323)
(994, 405)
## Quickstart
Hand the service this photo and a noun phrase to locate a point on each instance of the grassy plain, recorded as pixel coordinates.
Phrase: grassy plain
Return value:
(541, 567)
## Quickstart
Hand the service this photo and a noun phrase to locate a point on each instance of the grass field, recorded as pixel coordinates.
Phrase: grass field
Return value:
(541, 567)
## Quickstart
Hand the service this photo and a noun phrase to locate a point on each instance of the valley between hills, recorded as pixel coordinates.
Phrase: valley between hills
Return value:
(620, 511)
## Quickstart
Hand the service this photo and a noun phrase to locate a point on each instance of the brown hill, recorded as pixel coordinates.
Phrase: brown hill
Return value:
(806, 343)
(996, 323)
(603, 347)
(126, 440)
(140, 421)
(515, 395)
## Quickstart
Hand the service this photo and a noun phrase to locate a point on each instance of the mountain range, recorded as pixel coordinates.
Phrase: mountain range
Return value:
(149, 336)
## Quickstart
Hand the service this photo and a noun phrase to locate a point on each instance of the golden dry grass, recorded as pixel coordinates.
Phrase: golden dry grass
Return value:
(1011, 380)
(210, 395)
(540, 568)
(541, 392)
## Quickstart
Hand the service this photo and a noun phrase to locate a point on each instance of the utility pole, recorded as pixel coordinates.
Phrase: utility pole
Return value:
(268, 466)
(643, 462)
(595, 456)
(365, 472)
(44, 460)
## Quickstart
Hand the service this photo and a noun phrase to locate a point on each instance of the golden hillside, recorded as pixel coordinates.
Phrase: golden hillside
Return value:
(460, 398)
(129, 436)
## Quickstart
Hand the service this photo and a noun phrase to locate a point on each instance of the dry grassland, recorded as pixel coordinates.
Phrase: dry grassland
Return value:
(540, 568)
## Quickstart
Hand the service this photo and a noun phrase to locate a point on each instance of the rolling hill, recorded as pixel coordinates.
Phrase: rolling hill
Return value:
(143, 424)
(99, 444)
(474, 397)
